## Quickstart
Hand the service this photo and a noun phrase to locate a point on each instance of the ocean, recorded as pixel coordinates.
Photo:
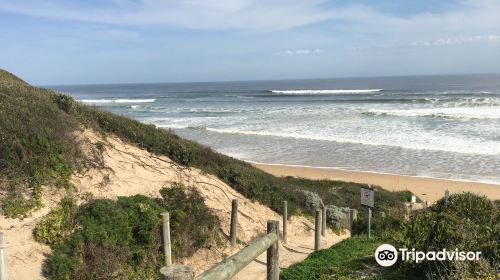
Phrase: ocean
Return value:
(433, 126)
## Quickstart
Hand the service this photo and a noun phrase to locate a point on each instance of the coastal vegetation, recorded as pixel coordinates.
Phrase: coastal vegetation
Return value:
(468, 222)
(120, 239)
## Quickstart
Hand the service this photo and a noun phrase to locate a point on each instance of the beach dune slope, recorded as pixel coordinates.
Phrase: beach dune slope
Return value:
(128, 170)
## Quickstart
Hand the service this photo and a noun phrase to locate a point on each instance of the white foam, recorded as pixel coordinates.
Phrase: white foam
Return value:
(324, 91)
(450, 145)
(454, 112)
(96, 100)
(171, 126)
(151, 100)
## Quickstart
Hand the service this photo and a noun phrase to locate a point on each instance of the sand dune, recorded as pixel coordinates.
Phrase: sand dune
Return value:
(129, 170)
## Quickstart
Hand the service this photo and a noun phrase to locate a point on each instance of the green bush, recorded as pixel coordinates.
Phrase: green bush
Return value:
(120, 239)
(467, 222)
(188, 218)
(382, 228)
(58, 224)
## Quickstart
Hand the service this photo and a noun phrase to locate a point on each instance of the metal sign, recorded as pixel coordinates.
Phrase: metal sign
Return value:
(367, 197)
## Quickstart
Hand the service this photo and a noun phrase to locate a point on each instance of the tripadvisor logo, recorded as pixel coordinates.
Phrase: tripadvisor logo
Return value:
(387, 255)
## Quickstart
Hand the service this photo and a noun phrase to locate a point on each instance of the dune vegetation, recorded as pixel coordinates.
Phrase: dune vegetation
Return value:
(468, 222)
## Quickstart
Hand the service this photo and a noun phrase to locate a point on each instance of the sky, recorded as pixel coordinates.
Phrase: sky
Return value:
(55, 42)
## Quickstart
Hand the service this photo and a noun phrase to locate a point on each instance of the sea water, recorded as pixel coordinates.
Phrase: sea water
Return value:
(436, 126)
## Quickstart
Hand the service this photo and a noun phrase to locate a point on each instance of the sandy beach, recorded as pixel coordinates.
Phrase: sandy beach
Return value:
(428, 189)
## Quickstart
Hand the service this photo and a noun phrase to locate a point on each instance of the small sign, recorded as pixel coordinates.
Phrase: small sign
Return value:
(367, 197)
(413, 199)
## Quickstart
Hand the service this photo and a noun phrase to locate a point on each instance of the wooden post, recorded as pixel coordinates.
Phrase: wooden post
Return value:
(351, 218)
(234, 221)
(167, 245)
(176, 272)
(285, 221)
(317, 232)
(369, 222)
(446, 196)
(3, 258)
(273, 269)
(354, 214)
(323, 221)
(382, 214)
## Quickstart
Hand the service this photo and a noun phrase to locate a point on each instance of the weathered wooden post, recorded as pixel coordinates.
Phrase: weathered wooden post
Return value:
(285, 221)
(317, 232)
(176, 272)
(228, 268)
(167, 245)
(273, 269)
(234, 221)
(446, 196)
(323, 221)
(353, 216)
(369, 223)
(3, 258)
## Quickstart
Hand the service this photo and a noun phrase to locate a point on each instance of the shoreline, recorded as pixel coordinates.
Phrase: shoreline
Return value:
(427, 188)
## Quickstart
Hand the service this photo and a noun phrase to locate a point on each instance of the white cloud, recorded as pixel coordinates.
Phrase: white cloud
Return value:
(301, 52)
(468, 17)
(439, 42)
(195, 14)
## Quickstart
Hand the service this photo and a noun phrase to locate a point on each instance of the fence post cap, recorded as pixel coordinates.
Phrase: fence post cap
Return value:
(176, 272)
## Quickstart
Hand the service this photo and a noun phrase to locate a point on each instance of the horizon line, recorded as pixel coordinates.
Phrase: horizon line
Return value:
(273, 80)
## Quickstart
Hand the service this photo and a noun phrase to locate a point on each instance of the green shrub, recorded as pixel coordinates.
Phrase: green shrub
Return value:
(121, 239)
(382, 228)
(58, 224)
(188, 219)
(467, 222)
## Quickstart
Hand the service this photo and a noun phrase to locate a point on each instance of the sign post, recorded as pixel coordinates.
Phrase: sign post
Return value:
(368, 200)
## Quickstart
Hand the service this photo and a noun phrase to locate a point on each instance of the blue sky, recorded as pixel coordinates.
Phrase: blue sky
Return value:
(124, 41)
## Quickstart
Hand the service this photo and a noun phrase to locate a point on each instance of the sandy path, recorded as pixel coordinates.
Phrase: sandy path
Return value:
(130, 170)
(428, 189)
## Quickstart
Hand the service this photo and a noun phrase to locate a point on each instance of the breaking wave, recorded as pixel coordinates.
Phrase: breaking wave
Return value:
(324, 91)
(104, 101)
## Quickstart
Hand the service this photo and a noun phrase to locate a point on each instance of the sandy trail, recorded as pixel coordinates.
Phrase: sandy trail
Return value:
(130, 170)
(428, 189)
